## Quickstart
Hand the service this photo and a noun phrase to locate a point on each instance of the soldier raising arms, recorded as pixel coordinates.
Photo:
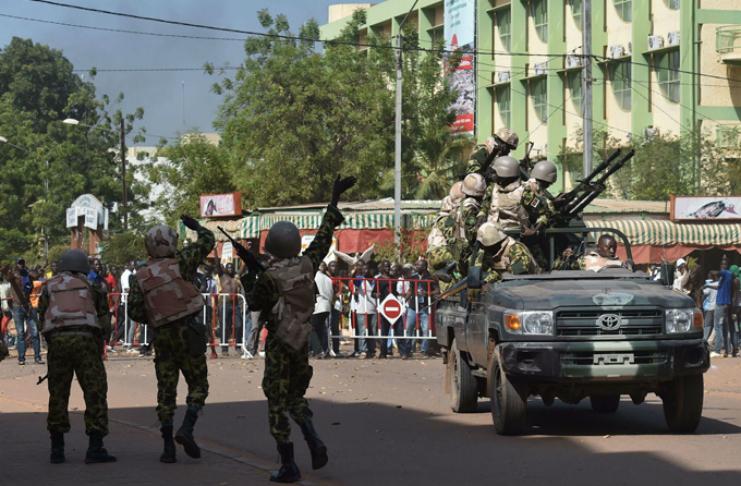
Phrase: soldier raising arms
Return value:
(285, 291)
(162, 294)
(75, 322)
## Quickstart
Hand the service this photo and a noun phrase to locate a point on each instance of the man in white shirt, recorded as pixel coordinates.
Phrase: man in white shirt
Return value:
(322, 308)
(365, 309)
(681, 277)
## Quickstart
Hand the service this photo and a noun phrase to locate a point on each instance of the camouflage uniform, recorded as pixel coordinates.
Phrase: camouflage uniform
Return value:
(464, 235)
(512, 257)
(477, 161)
(76, 351)
(538, 211)
(180, 346)
(287, 371)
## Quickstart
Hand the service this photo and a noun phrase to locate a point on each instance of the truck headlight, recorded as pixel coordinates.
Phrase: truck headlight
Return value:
(683, 320)
(529, 322)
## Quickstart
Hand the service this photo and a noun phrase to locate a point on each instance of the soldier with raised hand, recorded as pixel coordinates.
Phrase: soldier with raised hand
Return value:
(75, 321)
(502, 143)
(285, 293)
(164, 296)
(497, 253)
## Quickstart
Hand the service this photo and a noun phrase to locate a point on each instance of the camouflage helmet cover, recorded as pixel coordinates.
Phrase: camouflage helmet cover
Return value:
(74, 261)
(509, 137)
(283, 240)
(474, 185)
(456, 191)
(489, 234)
(161, 241)
(506, 166)
(545, 170)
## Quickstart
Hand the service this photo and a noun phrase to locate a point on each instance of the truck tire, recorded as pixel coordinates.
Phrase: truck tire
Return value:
(605, 403)
(683, 403)
(508, 408)
(463, 386)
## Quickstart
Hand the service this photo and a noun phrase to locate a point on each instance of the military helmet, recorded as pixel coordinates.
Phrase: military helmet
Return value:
(284, 240)
(456, 191)
(161, 241)
(474, 185)
(73, 261)
(506, 166)
(509, 137)
(489, 234)
(545, 171)
(447, 205)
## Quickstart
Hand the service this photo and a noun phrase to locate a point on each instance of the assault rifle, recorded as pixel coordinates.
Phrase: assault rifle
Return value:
(526, 164)
(253, 265)
(570, 204)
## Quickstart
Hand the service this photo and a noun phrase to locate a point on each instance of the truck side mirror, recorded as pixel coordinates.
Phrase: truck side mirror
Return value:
(474, 278)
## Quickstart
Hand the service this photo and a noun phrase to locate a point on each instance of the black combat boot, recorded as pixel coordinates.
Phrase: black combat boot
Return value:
(168, 453)
(57, 448)
(96, 453)
(184, 436)
(318, 450)
(288, 472)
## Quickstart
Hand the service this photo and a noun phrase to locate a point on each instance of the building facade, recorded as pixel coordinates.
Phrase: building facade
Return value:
(658, 66)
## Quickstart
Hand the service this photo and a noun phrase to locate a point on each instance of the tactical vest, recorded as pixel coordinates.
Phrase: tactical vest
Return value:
(167, 296)
(295, 280)
(70, 304)
(595, 262)
(505, 206)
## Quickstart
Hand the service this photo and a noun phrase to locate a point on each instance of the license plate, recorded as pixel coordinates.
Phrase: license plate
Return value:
(613, 359)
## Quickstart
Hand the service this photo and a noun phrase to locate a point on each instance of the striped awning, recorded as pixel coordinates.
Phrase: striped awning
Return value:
(666, 233)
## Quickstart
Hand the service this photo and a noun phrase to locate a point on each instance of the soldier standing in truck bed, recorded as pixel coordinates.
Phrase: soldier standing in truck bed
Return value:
(285, 292)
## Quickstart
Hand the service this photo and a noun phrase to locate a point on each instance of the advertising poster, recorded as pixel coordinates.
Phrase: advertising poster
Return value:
(710, 208)
(460, 30)
(220, 205)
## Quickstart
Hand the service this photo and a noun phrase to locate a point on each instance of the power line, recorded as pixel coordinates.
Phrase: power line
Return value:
(153, 69)
(282, 36)
(655, 67)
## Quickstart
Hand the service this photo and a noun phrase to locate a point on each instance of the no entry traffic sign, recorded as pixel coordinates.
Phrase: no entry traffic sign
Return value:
(391, 308)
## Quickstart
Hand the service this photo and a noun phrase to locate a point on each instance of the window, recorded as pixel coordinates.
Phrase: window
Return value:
(620, 81)
(539, 13)
(623, 9)
(672, 4)
(503, 104)
(539, 98)
(727, 136)
(504, 23)
(573, 83)
(437, 37)
(576, 10)
(667, 74)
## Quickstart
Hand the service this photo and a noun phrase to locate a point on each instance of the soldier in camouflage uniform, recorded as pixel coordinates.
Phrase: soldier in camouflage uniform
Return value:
(285, 292)
(464, 221)
(502, 200)
(497, 253)
(163, 295)
(537, 209)
(504, 141)
(438, 253)
(75, 321)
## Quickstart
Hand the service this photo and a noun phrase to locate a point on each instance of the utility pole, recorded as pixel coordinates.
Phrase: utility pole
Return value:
(124, 197)
(397, 149)
(586, 83)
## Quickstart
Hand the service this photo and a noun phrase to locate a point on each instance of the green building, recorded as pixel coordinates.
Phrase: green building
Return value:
(648, 54)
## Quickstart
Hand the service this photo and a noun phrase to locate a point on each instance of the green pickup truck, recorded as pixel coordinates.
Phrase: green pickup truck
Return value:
(573, 335)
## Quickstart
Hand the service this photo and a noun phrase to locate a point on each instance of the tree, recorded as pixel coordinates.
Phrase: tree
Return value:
(122, 248)
(54, 163)
(294, 117)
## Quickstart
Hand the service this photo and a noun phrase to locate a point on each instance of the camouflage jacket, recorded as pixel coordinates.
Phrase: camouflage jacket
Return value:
(512, 257)
(477, 161)
(464, 221)
(188, 260)
(100, 301)
(260, 288)
(538, 206)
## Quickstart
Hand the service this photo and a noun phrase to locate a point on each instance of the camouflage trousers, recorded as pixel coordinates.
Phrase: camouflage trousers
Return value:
(76, 354)
(178, 349)
(287, 376)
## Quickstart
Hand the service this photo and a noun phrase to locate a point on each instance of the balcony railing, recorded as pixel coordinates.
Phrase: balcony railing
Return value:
(728, 43)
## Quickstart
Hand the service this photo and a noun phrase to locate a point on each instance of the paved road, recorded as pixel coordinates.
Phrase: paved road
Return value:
(385, 422)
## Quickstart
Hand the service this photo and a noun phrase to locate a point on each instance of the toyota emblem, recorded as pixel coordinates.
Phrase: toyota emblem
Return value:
(609, 322)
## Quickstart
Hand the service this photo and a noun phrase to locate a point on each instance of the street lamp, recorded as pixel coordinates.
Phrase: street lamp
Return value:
(122, 139)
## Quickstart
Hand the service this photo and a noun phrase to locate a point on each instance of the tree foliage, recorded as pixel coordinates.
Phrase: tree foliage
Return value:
(122, 248)
(47, 164)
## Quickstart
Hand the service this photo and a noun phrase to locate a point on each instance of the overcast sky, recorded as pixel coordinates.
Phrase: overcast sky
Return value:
(159, 93)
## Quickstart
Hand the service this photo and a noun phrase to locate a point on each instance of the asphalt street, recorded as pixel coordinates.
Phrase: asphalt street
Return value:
(385, 422)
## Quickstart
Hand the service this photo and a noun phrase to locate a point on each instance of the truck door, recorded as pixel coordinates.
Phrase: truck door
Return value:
(476, 329)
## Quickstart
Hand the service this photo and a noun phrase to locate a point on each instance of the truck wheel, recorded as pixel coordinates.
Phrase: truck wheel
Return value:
(463, 386)
(508, 408)
(605, 403)
(683, 403)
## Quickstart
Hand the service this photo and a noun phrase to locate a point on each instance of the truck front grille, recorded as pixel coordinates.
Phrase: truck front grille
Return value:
(611, 359)
(635, 322)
